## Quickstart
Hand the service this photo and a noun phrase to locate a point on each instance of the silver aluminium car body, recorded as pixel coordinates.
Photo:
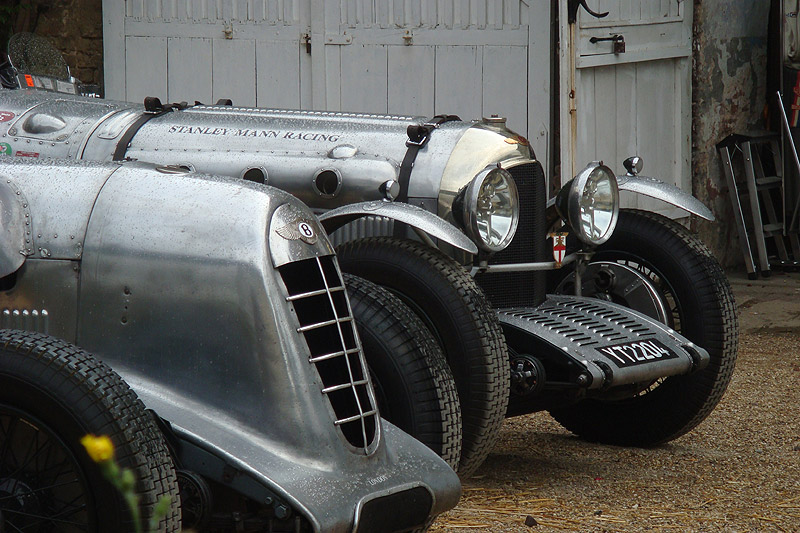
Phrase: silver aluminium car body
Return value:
(596, 359)
(331, 160)
(197, 290)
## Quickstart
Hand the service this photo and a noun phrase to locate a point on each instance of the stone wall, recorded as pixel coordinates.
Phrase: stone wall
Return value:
(75, 27)
(728, 96)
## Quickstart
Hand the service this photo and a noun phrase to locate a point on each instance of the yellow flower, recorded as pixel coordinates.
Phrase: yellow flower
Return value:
(100, 448)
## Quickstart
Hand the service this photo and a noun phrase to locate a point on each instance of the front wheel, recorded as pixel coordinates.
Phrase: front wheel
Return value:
(413, 385)
(51, 395)
(654, 265)
(443, 294)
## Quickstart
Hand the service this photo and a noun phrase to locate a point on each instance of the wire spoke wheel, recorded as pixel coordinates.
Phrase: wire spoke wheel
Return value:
(52, 394)
(42, 487)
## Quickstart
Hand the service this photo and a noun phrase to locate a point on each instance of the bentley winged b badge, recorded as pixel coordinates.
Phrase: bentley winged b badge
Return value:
(298, 226)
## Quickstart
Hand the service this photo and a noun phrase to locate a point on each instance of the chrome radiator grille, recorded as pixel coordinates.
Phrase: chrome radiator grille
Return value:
(320, 301)
(522, 289)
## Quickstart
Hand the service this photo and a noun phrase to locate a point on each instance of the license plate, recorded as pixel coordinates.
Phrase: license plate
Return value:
(637, 353)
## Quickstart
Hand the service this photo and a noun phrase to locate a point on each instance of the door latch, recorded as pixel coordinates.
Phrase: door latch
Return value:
(618, 40)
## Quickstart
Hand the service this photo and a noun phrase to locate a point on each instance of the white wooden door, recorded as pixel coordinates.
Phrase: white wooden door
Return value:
(636, 102)
(472, 58)
(423, 57)
(251, 51)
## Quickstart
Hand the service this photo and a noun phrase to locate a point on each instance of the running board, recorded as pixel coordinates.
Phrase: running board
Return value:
(613, 344)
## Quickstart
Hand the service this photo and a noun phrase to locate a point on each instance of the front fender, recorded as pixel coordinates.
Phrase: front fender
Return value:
(660, 190)
(414, 216)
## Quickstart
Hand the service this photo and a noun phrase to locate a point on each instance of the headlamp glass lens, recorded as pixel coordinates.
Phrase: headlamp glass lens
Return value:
(496, 209)
(597, 205)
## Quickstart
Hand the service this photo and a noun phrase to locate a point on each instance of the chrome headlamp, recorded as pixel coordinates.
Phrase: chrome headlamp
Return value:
(590, 203)
(490, 209)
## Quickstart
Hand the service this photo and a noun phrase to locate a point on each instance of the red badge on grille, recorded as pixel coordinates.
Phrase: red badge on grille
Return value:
(559, 247)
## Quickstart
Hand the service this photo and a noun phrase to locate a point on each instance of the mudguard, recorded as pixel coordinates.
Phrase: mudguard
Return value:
(660, 190)
(414, 216)
(260, 466)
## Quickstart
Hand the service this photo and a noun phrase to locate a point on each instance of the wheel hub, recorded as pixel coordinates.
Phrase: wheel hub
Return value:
(620, 284)
(195, 500)
(527, 375)
(17, 495)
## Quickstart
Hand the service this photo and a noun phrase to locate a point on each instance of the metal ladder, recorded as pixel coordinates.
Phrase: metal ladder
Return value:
(765, 199)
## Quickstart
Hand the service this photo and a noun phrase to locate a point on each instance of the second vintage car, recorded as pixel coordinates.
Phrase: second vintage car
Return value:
(581, 358)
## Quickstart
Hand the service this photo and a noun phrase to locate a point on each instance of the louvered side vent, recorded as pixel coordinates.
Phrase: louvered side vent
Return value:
(320, 301)
(522, 289)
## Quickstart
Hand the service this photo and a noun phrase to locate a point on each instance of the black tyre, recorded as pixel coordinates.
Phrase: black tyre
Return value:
(697, 297)
(444, 295)
(413, 385)
(51, 395)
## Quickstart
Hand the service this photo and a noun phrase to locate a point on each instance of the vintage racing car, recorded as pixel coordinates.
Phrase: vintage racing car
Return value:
(221, 304)
(559, 337)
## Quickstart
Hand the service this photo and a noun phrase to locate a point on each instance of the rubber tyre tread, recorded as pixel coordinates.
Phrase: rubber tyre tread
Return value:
(708, 319)
(102, 403)
(403, 356)
(451, 304)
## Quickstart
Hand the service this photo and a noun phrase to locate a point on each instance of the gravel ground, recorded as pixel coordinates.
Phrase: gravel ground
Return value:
(738, 471)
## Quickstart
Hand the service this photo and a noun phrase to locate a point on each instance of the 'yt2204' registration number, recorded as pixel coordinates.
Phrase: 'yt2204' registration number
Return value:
(637, 352)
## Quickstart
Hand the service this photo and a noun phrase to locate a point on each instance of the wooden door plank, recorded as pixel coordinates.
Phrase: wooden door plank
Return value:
(458, 81)
(626, 107)
(145, 54)
(584, 95)
(606, 130)
(278, 75)
(364, 78)
(189, 74)
(505, 85)
(114, 46)
(234, 71)
(411, 80)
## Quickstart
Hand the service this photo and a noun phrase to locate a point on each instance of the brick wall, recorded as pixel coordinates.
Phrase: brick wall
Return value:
(75, 27)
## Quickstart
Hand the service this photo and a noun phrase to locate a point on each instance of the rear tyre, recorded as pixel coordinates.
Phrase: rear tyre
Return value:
(413, 385)
(699, 303)
(444, 295)
(51, 395)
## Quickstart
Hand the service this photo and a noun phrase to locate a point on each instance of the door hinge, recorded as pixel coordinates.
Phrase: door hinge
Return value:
(306, 39)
